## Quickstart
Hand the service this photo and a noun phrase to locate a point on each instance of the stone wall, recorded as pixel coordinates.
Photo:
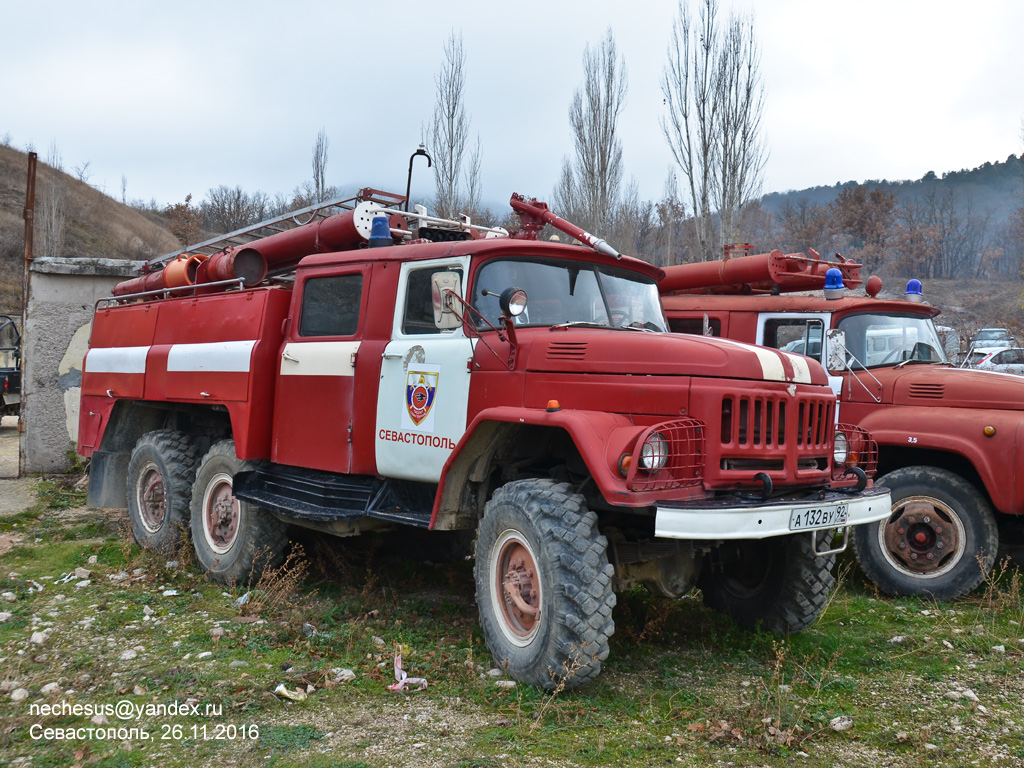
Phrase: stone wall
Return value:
(61, 298)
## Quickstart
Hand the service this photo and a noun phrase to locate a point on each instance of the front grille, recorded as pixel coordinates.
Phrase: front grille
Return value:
(771, 420)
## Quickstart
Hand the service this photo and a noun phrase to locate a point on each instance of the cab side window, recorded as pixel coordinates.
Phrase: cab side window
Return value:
(330, 305)
(695, 325)
(419, 302)
(802, 336)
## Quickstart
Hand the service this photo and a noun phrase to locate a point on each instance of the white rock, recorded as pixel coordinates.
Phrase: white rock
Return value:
(378, 640)
(998, 649)
(969, 694)
(19, 694)
(898, 639)
(82, 573)
(147, 611)
(39, 638)
(495, 672)
(931, 747)
(49, 688)
(204, 655)
(171, 564)
(5, 615)
(83, 583)
(128, 655)
(982, 709)
(841, 723)
(238, 663)
(217, 632)
(6, 686)
(93, 559)
(138, 690)
(343, 675)
(506, 684)
(10, 597)
(785, 688)
(170, 592)
(99, 720)
(948, 644)
(953, 695)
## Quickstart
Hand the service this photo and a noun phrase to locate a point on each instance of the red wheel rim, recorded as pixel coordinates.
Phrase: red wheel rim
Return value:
(517, 587)
(221, 514)
(151, 497)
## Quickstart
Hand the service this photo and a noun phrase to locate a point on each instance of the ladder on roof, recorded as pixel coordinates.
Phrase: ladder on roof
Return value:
(282, 223)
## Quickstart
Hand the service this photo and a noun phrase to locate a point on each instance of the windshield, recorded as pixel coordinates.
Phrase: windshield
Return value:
(877, 340)
(992, 334)
(565, 291)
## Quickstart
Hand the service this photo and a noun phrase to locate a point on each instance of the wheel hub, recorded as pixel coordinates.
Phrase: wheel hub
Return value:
(152, 499)
(923, 536)
(222, 516)
(517, 573)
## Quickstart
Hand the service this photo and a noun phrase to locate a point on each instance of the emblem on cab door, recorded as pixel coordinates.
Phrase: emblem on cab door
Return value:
(420, 392)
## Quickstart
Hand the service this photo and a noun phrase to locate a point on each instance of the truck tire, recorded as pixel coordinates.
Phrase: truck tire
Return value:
(159, 488)
(235, 541)
(550, 627)
(942, 519)
(777, 584)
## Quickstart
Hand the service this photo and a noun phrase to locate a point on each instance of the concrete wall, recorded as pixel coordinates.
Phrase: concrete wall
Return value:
(61, 296)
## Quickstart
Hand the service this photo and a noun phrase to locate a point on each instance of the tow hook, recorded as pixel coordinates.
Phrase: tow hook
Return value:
(862, 480)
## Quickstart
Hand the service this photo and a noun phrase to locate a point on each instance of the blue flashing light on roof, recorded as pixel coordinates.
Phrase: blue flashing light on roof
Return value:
(914, 291)
(380, 232)
(834, 288)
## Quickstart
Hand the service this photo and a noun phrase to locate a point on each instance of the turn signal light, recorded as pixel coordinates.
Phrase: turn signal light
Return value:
(625, 462)
(553, 406)
(989, 431)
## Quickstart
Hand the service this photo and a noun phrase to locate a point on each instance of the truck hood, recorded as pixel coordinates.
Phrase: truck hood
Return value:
(944, 386)
(597, 350)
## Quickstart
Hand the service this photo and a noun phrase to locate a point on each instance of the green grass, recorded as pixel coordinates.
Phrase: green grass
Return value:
(682, 685)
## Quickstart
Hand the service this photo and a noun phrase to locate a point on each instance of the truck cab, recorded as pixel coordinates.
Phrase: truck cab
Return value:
(947, 437)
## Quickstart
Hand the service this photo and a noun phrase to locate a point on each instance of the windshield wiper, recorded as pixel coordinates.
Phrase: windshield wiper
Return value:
(916, 360)
(581, 324)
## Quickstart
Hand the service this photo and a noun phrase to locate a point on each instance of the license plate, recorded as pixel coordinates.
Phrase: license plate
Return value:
(823, 516)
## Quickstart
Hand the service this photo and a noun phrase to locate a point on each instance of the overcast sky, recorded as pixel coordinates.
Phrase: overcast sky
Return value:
(184, 96)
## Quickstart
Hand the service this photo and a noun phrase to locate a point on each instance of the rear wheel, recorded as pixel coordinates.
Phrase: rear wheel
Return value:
(941, 539)
(544, 584)
(778, 584)
(234, 540)
(160, 474)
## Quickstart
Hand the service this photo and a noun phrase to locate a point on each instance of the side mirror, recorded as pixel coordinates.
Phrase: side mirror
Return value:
(445, 287)
(835, 350)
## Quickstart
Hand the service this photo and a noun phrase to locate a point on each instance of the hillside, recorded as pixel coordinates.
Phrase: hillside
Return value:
(95, 225)
(991, 188)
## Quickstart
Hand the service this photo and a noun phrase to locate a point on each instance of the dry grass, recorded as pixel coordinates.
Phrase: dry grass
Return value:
(97, 226)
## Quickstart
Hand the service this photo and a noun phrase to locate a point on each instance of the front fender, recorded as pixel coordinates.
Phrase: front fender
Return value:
(600, 437)
(958, 432)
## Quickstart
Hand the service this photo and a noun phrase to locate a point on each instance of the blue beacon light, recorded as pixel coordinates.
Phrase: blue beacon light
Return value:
(834, 288)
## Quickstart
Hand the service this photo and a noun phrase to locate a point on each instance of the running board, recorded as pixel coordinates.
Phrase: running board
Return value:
(307, 494)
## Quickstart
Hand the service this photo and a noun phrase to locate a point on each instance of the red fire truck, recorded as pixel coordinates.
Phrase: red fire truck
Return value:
(947, 437)
(396, 370)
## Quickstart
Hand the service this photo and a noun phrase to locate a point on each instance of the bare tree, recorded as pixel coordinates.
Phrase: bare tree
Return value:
(714, 97)
(320, 166)
(82, 171)
(449, 131)
(124, 189)
(54, 205)
(226, 209)
(740, 94)
(590, 187)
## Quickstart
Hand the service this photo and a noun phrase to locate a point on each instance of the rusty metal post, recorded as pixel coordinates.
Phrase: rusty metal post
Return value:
(30, 220)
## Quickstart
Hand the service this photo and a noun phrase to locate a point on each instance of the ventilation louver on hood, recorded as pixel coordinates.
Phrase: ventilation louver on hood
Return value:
(566, 350)
(926, 391)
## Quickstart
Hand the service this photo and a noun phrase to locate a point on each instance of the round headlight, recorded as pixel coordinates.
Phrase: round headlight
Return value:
(840, 449)
(654, 452)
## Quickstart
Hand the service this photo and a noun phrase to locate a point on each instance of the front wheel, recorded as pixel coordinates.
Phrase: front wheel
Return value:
(777, 584)
(940, 541)
(544, 584)
(234, 540)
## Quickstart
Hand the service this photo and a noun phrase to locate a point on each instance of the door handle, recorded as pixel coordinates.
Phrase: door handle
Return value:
(287, 356)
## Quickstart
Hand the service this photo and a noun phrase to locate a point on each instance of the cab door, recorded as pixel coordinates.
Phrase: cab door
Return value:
(423, 396)
(316, 372)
